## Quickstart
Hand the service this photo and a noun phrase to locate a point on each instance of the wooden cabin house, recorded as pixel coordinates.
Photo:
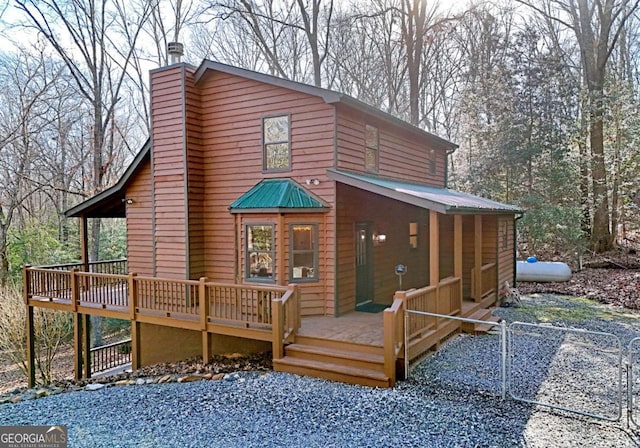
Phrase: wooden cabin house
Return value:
(267, 214)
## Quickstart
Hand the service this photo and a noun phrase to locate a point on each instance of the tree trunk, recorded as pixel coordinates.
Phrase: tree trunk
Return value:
(601, 231)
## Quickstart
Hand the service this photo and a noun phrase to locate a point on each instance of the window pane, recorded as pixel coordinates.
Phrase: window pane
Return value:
(303, 265)
(277, 155)
(276, 129)
(371, 136)
(260, 264)
(259, 237)
(302, 238)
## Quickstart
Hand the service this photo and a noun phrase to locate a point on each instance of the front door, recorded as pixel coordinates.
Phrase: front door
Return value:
(364, 264)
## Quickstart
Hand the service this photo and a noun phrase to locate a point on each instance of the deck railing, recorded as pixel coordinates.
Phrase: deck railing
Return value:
(488, 272)
(110, 356)
(166, 296)
(134, 297)
(244, 303)
(286, 319)
(425, 331)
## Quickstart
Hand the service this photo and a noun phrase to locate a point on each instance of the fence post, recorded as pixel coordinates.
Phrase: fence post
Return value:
(503, 337)
(203, 302)
(75, 289)
(26, 283)
(294, 319)
(133, 295)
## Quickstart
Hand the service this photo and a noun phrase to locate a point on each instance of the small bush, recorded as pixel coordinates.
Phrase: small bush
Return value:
(52, 330)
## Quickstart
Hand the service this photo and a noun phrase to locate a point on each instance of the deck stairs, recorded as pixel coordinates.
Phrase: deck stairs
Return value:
(334, 360)
(478, 311)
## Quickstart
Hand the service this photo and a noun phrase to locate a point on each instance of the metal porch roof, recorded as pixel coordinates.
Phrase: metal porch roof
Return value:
(278, 195)
(442, 200)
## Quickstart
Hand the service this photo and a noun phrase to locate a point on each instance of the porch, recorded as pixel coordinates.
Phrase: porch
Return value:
(360, 348)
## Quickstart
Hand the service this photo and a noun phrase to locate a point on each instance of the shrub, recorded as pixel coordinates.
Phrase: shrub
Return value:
(52, 330)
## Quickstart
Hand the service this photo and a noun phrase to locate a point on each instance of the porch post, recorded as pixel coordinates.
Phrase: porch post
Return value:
(31, 348)
(434, 248)
(457, 248)
(477, 264)
(84, 243)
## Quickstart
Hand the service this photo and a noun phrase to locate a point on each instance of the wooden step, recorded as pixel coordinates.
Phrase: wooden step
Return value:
(481, 314)
(350, 358)
(331, 371)
(339, 345)
(485, 328)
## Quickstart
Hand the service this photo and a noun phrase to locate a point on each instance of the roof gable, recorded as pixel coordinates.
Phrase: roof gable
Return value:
(110, 202)
(328, 96)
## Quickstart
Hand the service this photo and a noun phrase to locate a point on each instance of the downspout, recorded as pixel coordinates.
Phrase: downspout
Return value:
(515, 246)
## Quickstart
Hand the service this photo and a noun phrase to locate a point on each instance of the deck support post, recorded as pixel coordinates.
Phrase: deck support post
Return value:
(77, 346)
(31, 348)
(203, 304)
(135, 345)
(86, 344)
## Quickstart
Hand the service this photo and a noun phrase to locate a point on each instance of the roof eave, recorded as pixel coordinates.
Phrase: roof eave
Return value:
(93, 202)
(279, 210)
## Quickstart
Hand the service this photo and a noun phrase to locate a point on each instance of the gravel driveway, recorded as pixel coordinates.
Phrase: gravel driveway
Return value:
(449, 401)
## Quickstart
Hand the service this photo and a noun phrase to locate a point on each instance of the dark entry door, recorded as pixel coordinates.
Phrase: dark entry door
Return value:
(364, 264)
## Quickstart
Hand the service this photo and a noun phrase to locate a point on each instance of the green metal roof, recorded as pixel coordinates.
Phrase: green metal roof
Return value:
(278, 195)
(442, 200)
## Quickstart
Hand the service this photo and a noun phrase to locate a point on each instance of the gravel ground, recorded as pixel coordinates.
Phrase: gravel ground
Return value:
(450, 400)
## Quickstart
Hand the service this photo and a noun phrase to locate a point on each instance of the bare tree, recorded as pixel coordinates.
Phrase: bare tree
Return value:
(274, 25)
(97, 66)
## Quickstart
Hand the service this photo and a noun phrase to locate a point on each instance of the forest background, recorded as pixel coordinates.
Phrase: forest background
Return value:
(541, 96)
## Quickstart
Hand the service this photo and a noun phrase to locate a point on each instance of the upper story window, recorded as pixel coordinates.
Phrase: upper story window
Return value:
(371, 147)
(432, 161)
(259, 252)
(276, 154)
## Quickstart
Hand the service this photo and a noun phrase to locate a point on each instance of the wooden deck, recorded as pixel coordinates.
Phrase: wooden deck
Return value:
(358, 347)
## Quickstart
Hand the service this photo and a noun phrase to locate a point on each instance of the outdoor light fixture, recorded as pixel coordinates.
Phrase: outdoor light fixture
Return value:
(313, 181)
(379, 238)
(129, 201)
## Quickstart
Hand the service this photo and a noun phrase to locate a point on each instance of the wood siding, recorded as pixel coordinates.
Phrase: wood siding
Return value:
(506, 255)
(232, 111)
(468, 249)
(168, 162)
(402, 155)
(139, 230)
